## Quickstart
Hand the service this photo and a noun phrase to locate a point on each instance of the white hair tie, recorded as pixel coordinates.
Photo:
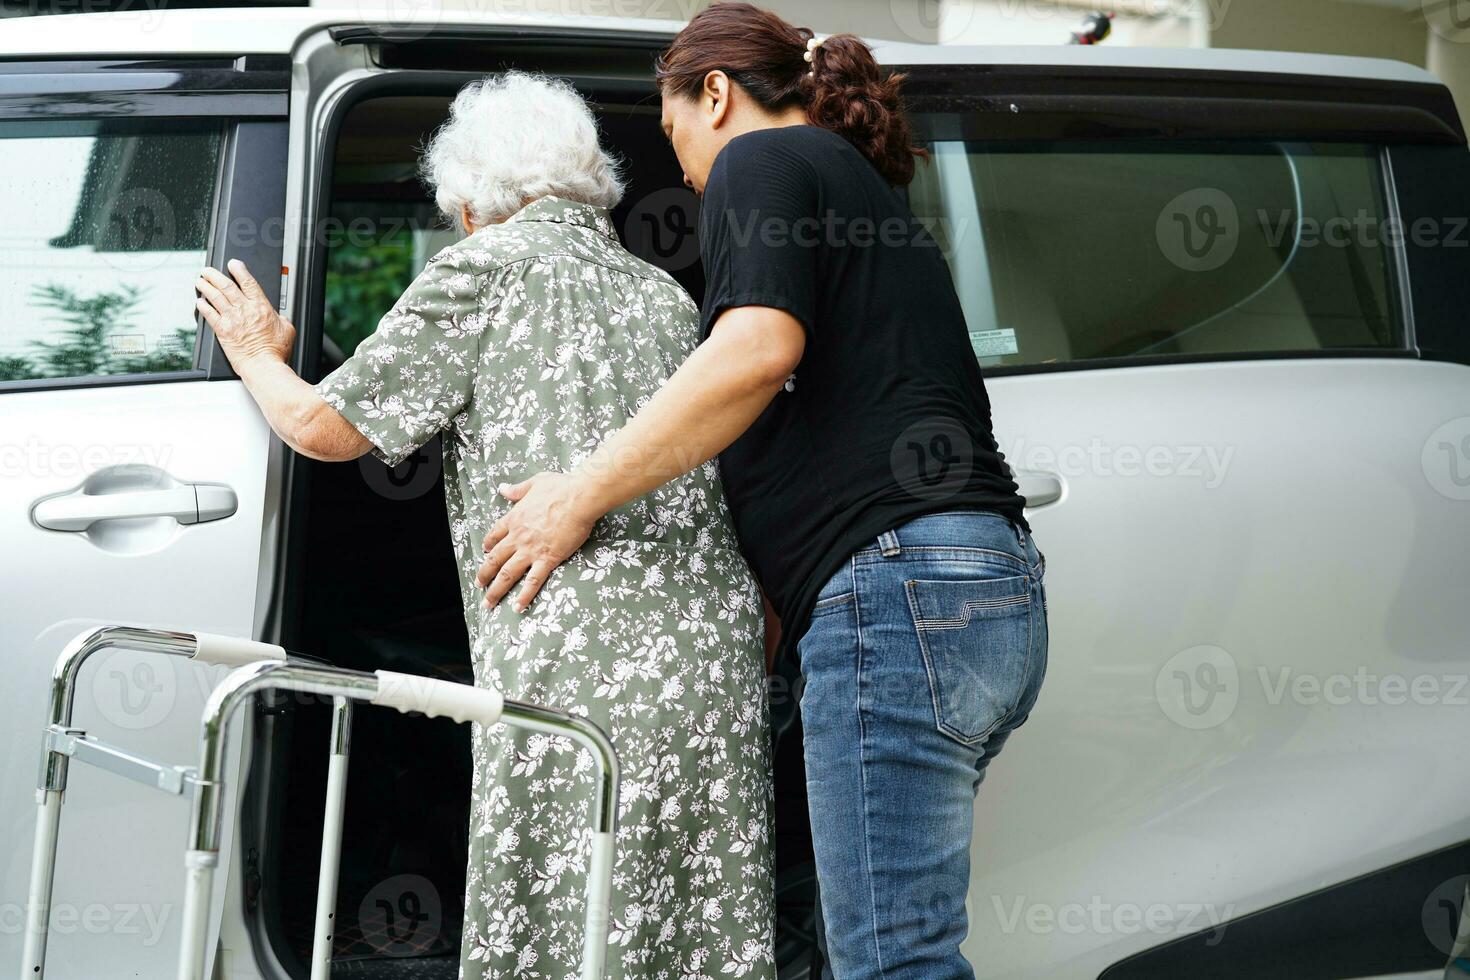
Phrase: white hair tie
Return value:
(812, 44)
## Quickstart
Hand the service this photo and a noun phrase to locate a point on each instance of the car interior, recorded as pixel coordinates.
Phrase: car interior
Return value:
(371, 584)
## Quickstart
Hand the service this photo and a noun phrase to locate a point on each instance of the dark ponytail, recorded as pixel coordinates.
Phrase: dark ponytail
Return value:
(842, 88)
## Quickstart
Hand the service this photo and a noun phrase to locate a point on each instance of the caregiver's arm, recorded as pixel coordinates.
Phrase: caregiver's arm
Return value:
(708, 402)
(257, 340)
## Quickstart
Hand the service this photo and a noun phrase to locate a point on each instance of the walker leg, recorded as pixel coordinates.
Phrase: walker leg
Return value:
(599, 893)
(198, 891)
(326, 888)
(43, 875)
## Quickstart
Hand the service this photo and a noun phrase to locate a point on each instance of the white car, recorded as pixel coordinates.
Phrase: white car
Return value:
(1220, 297)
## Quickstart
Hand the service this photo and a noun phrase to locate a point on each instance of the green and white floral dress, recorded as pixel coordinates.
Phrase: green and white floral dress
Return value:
(525, 345)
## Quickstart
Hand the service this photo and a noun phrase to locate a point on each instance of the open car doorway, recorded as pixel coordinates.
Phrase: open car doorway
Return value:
(370, 583)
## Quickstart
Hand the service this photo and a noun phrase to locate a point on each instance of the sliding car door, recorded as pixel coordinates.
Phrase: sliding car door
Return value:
(1237, 397)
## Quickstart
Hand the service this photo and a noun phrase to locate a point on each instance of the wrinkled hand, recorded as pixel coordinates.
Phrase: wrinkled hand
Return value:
(545, 527)
(245, 322)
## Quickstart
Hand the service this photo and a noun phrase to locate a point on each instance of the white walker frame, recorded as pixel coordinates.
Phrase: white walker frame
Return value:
(264, 667)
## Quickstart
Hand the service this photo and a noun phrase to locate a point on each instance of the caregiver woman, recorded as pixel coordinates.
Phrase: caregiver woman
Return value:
(837, 385)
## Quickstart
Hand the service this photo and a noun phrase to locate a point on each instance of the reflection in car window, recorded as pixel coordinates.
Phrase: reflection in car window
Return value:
(374, 250)
(1069, 252)
(106, 227)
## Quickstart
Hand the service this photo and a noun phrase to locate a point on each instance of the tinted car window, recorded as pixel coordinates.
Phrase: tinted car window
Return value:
(106, 225)
(1070, 252)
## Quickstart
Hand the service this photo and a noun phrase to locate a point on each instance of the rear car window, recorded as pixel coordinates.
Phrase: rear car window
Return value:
(106, 226)
(1076, 252)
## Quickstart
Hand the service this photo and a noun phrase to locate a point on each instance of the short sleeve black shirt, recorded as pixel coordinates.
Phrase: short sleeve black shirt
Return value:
(886, 417)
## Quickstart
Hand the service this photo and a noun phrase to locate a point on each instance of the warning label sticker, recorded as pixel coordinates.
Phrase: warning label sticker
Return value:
(993, 343)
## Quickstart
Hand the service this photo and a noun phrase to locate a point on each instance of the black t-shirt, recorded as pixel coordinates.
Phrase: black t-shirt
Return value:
(886, 417)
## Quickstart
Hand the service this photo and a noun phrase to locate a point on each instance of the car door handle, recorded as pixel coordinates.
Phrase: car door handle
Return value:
(1039, 488)
(188, 503)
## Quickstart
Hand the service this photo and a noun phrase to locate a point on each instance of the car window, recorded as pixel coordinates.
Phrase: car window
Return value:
(106, 226)
(1076, 252)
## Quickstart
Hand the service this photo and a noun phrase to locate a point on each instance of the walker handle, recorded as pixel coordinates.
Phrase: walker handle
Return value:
(436, 698)
(233, 651)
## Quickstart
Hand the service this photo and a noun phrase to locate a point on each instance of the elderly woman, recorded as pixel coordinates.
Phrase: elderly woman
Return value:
(525, 344)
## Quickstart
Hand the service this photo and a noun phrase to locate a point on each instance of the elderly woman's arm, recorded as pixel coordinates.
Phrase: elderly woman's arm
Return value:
(257, 340)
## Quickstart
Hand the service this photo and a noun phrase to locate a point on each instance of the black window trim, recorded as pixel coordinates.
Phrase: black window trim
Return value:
(1041, 102)
(1162, 360)
(226, 83)
(249, 85)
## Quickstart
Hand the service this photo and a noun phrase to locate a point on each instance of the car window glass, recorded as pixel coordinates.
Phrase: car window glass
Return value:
(106, 226)
(1070, 252)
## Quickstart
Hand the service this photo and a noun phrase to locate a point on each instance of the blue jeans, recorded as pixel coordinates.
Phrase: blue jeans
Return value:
(925, 651)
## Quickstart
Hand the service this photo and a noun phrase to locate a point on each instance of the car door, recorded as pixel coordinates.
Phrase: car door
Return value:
(119, 180)
(1221, 317)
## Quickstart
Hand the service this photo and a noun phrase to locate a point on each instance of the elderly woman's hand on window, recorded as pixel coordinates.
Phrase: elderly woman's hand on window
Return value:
(258, 341)
(243, 320)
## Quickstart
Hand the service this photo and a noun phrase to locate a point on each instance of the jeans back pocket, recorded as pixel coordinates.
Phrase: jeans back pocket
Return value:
(975, 637)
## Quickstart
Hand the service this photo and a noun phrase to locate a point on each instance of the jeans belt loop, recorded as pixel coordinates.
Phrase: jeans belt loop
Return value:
(888, 544)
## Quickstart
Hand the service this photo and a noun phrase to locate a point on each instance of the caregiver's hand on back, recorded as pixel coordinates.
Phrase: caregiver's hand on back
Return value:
(550, 521)
(714, 397)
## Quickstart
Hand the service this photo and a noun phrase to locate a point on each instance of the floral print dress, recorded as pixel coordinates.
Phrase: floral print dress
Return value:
(526, 345)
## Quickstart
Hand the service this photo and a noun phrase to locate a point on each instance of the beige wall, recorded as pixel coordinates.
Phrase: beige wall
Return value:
(1344, 27)
(1051, 22)
(915, 20)
(1449, 58)
(1328, 26)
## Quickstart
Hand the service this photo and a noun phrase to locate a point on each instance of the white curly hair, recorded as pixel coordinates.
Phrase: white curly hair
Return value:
(512, 138)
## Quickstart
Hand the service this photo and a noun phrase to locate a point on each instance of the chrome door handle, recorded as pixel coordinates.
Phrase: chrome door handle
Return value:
(188, 503)
(1038, 488)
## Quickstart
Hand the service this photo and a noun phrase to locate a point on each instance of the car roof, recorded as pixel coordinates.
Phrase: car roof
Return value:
(277, 30)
